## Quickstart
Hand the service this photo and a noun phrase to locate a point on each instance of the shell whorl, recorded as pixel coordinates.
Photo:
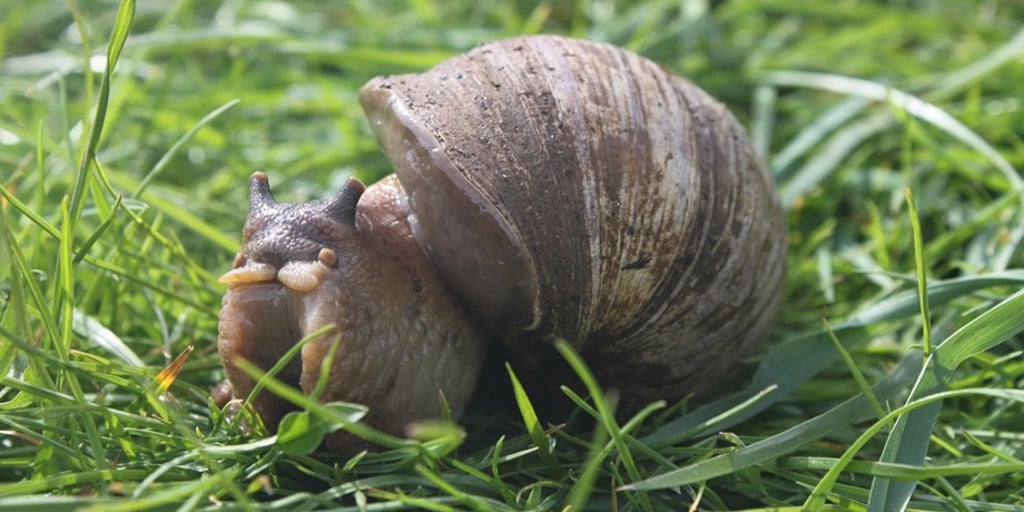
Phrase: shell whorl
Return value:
(574, 189)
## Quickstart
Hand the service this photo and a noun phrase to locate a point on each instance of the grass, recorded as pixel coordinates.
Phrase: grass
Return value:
(894, 130)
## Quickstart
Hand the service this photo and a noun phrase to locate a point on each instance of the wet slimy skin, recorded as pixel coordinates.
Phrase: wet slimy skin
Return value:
(350, 262)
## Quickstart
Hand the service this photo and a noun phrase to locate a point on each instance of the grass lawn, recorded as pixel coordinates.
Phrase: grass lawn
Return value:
(895, 131)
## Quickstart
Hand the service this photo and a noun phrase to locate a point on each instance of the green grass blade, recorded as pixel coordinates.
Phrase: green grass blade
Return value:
(908, 442)
(827, 161)
(907, 102)
(532, 423)
(796, 360)
(922, 275)
(165, 160)
(107, 222)
(94, 330)
(821, 491)
(122, 25)
(345, 417)
(814, 132)
(173, 210)
(783, 369)
(1010, 51)
(903, 471)
(606, 413)
(855, 409)
(584, 485)
(862, 383)
(904, 304)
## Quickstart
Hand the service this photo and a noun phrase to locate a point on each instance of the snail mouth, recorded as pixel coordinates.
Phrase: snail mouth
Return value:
(263, 315)
(259, 323)
(265, 312)
(264, 318)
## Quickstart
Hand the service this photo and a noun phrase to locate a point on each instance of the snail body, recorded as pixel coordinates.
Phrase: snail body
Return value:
(546, 188)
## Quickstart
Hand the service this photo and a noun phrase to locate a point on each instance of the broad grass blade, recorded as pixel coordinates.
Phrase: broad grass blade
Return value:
(851, 411)
(908, 441)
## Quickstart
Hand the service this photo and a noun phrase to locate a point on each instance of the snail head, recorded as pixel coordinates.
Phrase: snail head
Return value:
(292, 243)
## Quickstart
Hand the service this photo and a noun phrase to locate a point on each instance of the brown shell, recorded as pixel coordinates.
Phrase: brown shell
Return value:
(574, 189)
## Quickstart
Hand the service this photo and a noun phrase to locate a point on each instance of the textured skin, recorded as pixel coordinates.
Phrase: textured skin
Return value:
(404, 339)
(621, 207)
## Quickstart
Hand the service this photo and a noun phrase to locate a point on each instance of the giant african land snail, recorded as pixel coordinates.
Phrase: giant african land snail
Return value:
(546, 188)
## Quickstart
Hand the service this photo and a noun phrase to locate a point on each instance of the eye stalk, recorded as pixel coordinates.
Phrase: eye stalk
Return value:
(260, 195)
(342, 207)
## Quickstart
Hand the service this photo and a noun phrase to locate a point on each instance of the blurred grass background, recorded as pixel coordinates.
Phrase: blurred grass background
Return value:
(95, 303)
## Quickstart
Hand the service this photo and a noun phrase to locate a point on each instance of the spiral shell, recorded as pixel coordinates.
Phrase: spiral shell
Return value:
(571, 189)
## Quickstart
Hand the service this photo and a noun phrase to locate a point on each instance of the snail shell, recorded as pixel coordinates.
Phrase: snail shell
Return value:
(605, 200)
(560, 189)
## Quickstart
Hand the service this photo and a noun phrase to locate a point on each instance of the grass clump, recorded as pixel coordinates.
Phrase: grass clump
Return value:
(893, 129)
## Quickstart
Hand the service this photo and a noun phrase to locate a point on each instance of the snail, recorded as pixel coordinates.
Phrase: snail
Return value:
(545, 188)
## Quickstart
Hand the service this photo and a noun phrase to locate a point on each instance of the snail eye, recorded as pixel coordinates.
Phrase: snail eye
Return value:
(327, 257)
